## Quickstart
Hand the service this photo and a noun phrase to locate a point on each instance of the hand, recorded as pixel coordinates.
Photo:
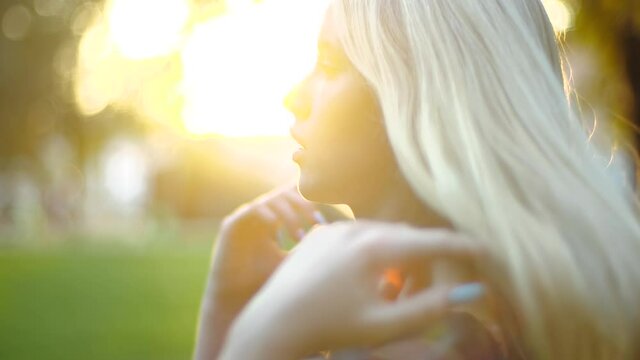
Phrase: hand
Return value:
(327, 294)
(247, 250)
(245, 254)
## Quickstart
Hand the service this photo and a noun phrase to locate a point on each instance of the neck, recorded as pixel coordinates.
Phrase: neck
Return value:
(398, 204)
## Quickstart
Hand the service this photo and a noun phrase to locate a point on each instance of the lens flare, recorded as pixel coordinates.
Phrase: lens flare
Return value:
(560, 14)
(143, 29)
(239, 67)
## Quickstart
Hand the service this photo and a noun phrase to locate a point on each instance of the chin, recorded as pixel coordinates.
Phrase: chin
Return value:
(320, 191)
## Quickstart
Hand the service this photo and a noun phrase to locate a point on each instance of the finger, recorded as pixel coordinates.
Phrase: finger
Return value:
(302, 207)
(415, 313)
(408, 316)
(266, 216)
(251, 217)
(288, 216)
(418, 278)
(308, 209)
(419, 246)
(407, 288)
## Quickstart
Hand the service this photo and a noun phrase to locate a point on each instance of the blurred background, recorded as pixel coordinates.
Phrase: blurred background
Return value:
(128, 128)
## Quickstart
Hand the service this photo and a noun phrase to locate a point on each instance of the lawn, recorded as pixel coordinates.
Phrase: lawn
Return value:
(119, 303)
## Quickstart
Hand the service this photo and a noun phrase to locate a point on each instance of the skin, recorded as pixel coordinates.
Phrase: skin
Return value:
(245, 254)
(339, 268)
(346, 157)
(337, 301)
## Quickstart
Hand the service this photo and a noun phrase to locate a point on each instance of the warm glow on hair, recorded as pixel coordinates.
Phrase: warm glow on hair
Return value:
(473, 99)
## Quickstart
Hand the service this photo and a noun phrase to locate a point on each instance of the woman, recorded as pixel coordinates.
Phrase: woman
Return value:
(445, 125)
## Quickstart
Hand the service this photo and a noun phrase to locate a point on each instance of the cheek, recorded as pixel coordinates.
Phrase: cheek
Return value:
(347, 146)
(351, 159)
(349, 141)
(347, 117)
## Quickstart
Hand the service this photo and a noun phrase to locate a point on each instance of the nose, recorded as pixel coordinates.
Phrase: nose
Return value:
(298, 103)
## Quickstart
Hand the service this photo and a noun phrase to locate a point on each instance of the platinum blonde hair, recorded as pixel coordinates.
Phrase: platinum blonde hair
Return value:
(474, 103)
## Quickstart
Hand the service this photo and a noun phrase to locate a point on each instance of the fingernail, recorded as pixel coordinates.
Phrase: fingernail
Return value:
(320, 219)
(466, 293)
(300, 234)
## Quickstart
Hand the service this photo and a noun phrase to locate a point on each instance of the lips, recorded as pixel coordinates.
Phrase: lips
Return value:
(297, 137)
(298, 156)
(299, 153)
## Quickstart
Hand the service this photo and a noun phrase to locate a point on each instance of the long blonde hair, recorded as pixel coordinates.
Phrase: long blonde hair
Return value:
(474, 102)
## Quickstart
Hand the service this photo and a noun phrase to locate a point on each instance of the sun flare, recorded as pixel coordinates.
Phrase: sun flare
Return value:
(143, 29)
(224, 72)
(560, 14)
(239, 67)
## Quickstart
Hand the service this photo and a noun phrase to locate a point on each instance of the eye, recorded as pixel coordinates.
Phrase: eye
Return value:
(328, 66)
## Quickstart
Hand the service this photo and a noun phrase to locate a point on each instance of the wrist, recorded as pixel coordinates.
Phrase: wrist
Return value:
(261, 337)
(218, 296)
(215, 322)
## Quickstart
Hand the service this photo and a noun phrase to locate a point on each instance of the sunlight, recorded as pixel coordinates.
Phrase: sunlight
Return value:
(560, 14)
(125, 172)
(239, 67)
(143, 29)
(232, 71)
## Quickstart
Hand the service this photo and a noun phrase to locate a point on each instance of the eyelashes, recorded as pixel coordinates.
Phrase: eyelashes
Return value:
(329, 65)
(329, 68)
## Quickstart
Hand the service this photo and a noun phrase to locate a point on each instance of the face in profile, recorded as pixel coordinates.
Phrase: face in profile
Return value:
(345, 156)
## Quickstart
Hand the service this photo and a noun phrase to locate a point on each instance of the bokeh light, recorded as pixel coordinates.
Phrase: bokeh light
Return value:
(16, 22)
(560, 14)
(226, 74)
(49, 7)
(239, 67)
(125, 172)
(143, 29)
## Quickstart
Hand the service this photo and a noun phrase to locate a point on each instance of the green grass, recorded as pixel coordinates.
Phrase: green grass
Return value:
(107, 304)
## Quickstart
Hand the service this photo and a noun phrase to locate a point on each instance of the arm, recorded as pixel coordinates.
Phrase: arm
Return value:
(215, 319)
(246, 252)
(326, 294)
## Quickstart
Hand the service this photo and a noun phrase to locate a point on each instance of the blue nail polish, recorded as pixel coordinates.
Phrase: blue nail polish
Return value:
(466, 293)
(320, 219)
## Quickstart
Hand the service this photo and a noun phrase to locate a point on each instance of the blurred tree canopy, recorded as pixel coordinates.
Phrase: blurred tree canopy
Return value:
(36, 92)
(36, 98)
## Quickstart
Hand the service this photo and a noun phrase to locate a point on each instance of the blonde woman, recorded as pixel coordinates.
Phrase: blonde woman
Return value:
(445, 126)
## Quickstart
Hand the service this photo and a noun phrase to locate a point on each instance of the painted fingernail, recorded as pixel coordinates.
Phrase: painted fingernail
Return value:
(300, 234)
(466, 293)
(320, 219)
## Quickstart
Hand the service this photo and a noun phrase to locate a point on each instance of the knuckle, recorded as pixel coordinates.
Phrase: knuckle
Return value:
(246, 216)
(369, 246)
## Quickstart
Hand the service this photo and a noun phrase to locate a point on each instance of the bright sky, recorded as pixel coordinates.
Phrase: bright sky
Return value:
(234, 69)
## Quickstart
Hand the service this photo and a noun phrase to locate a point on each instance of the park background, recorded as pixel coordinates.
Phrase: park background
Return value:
(129, 128)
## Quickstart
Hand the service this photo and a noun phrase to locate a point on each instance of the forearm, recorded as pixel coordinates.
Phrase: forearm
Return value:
(214, 324)
(255, 344)
(218, 311)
